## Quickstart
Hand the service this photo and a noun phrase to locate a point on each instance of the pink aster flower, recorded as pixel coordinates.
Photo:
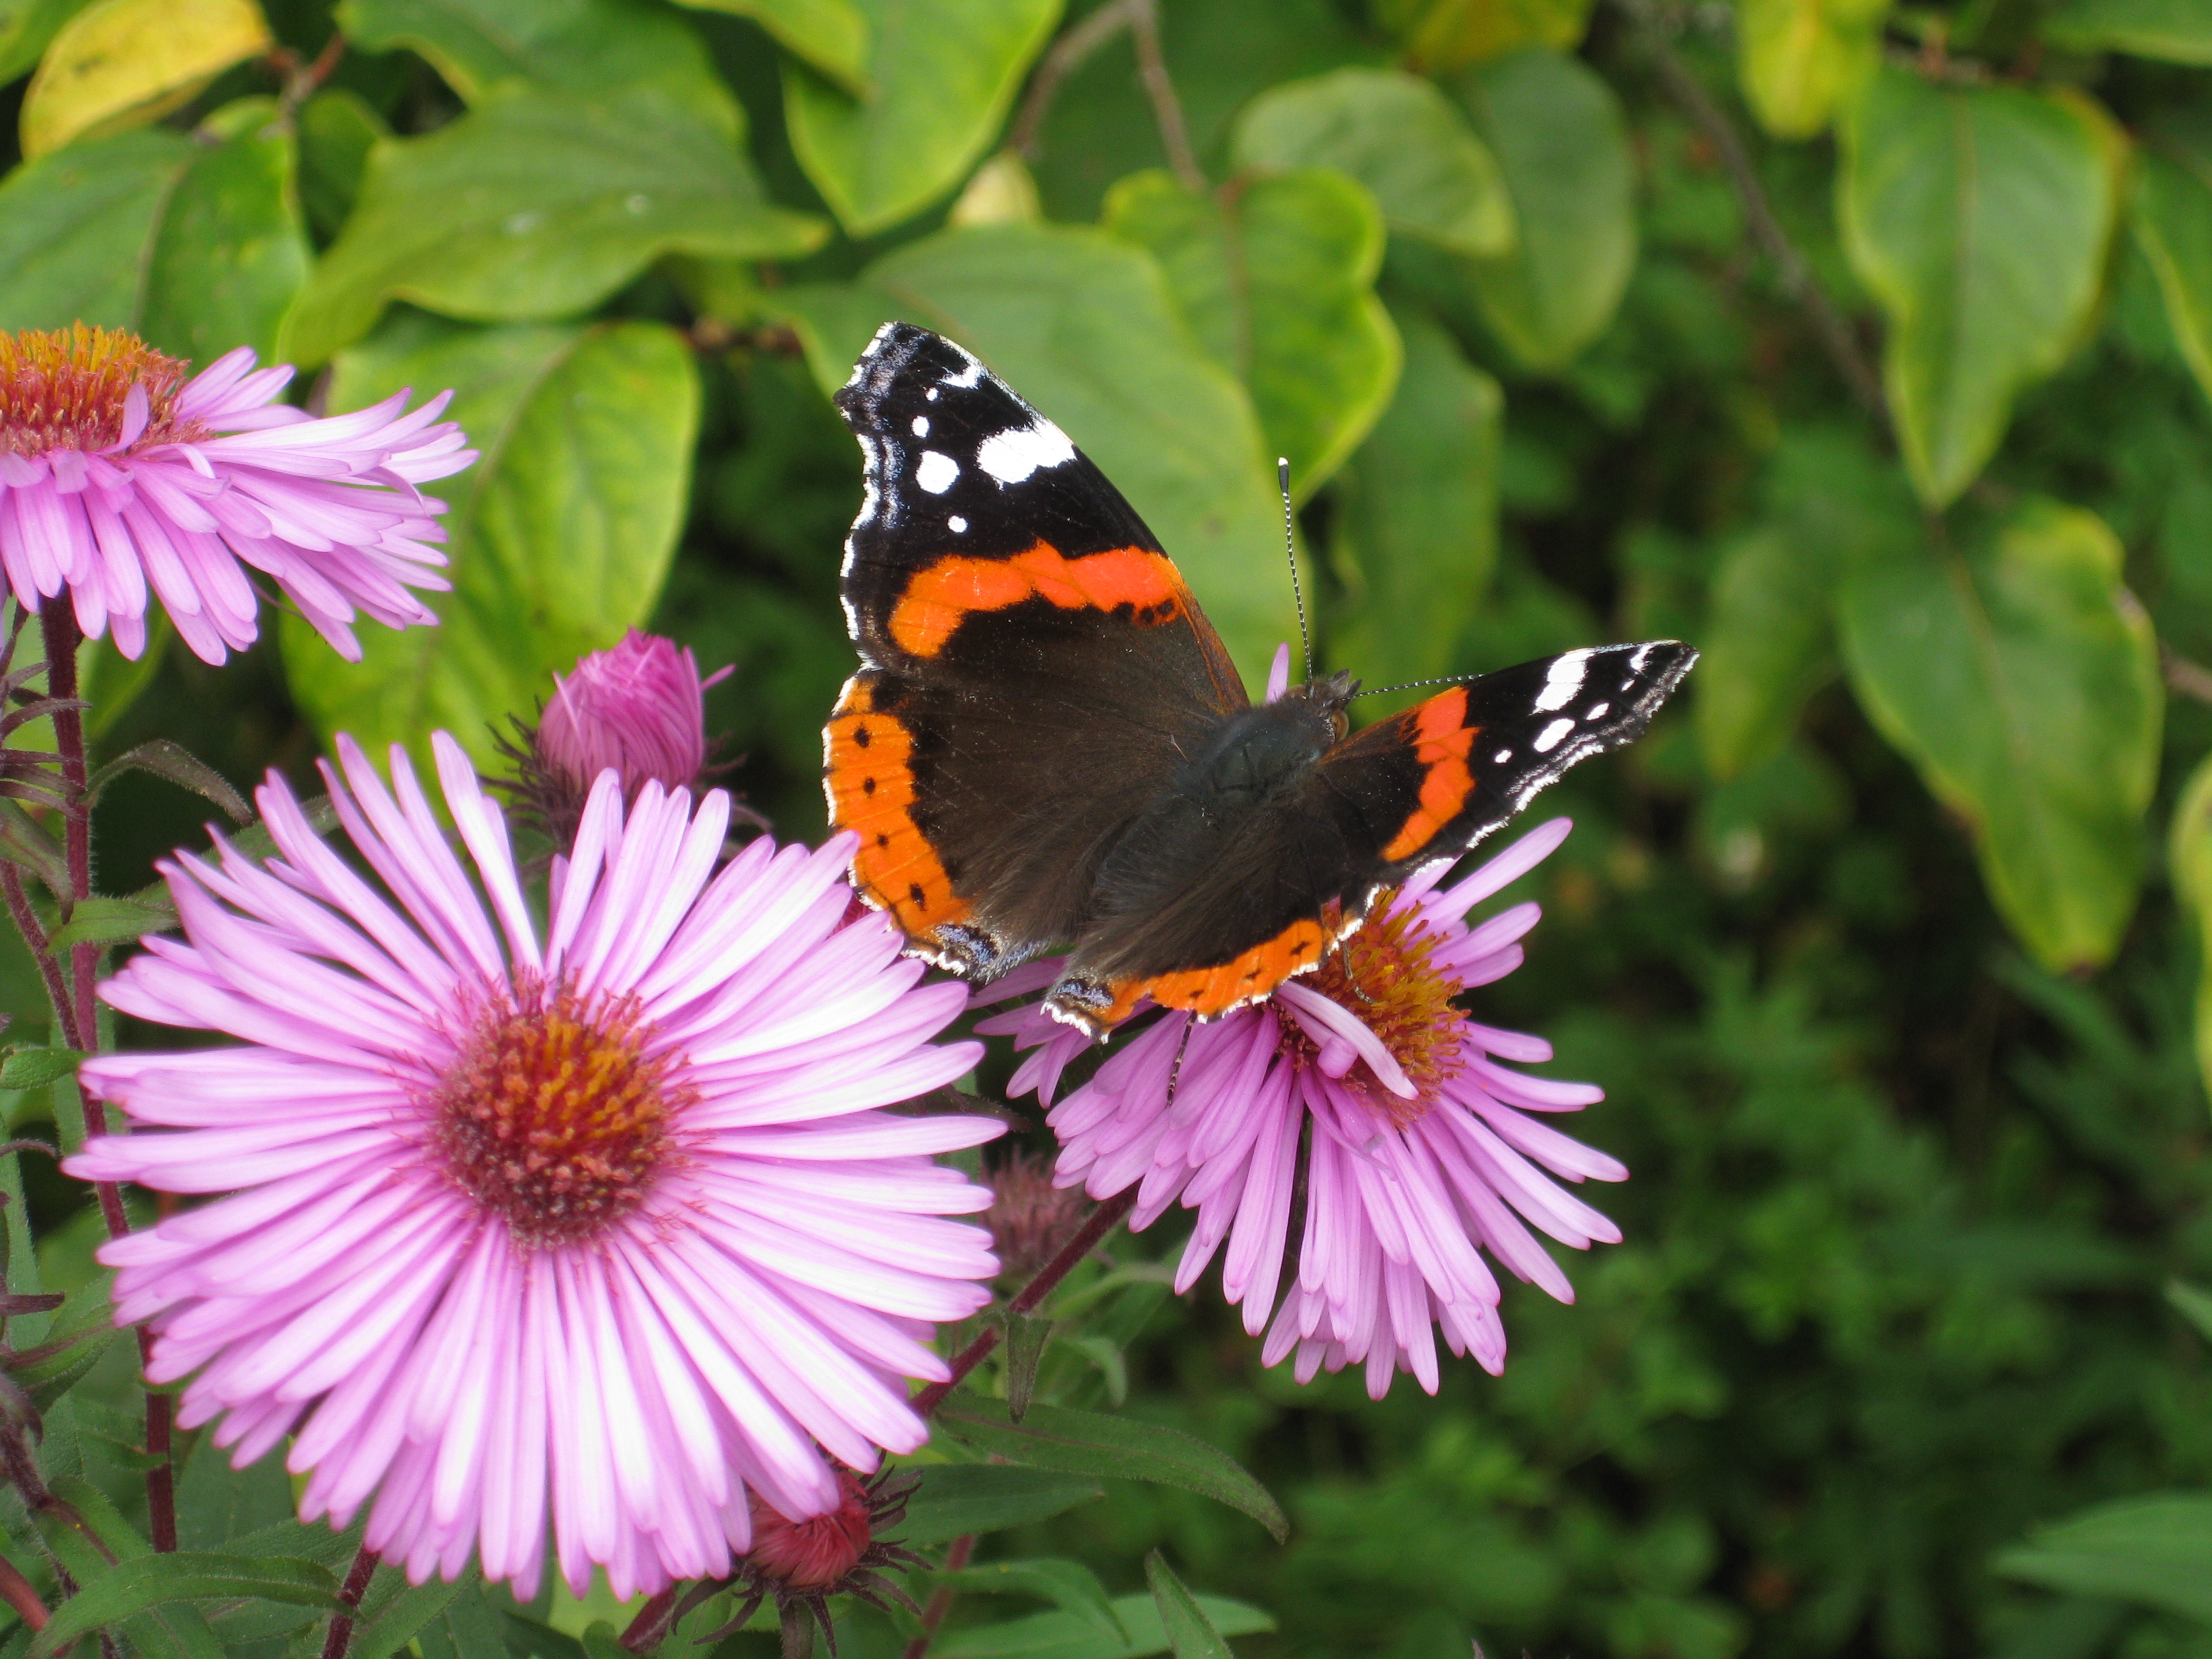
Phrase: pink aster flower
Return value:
(116, 472)
(1421, 1149)
(602, 1215)
(635, 707)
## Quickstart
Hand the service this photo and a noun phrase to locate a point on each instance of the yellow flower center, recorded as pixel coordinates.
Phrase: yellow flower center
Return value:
(554, 1117)
(1385, 974)
(65, 389)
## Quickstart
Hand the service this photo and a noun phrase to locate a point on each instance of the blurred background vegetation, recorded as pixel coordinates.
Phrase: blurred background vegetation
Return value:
(1867, 346)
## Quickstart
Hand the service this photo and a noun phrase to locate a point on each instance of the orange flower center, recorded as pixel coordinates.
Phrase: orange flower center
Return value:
(554, 1117)
(66, 388)
(1385, 974)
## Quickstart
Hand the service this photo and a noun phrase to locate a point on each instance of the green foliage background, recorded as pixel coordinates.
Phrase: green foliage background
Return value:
(1886, 944)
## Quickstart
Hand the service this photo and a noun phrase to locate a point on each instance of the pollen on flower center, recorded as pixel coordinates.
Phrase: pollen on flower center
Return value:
(69, 388)
(554, 1117)
(1385, 974)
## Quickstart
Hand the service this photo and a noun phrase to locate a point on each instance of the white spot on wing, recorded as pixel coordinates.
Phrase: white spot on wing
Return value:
(1011, 456)
(1635, 663)
(1597, 711)
(936, 472)
(958, 525)
(1550, 737)
(921, 426)
(969, 376)
(933, 394)
(1502, 757)
(1564, 679)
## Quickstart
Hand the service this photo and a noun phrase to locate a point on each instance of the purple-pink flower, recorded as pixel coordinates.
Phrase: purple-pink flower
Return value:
(635, 706)
(1421, 1149)
(600, 1216)
(116, 474)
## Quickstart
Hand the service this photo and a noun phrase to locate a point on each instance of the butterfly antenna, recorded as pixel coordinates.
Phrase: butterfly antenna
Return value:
(1290, 551)
(1408, 685)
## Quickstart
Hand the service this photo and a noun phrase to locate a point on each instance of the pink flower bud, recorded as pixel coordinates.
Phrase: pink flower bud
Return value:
(637, 707)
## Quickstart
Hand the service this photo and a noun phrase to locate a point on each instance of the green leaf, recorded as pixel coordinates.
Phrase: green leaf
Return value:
(538, 204)
(562, 534)
(1560, 141)
(1087, 1442)
(957, 1498)
(940, 74)
(184, 1576)
(123, 63)
(1068, 1585)
(1800, 61)
(1066, 1636)
(1026, 1336)
(99, 921)
(1278, 282)
(1829, 503)
(2192, 1304)
(579, 46)
(337, 130)
(470, 1628)
(2155, 1549)
(2180, 31)
(1978, 217)
(25, 841)
(2023, 683)
(230, 254)
(1397, 135)
(395, 1624)
(173, 760)
(1767, 649)
(38, 1068)
(2188, 864)
(174, 1629)
(1416, 526)
(1448, 34)
(1191, 1634)
(76, 228)
(830, 34)
(1081, 324)
(26, 27)
(2170, 210)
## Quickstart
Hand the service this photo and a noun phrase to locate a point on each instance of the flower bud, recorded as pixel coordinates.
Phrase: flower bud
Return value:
(1029, 1217)
(636, 707)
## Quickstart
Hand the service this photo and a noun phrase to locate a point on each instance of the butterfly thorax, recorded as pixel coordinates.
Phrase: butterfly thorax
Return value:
(1258, 754)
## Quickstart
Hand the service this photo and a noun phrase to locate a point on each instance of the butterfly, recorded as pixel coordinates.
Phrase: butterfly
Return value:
(1047, 743)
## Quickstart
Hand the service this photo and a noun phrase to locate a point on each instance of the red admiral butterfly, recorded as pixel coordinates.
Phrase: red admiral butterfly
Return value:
(1047, 741)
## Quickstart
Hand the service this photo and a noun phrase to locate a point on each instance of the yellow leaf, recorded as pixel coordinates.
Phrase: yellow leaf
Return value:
(1001, 192)
(1801, 59)
(121, 63)
(1449, 35)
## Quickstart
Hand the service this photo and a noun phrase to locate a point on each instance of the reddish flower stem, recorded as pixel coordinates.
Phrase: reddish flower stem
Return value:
(1080, 1243)
(350, 1594)
(58, 624)
(16, 1591)
(956, 1557)
(26, 923)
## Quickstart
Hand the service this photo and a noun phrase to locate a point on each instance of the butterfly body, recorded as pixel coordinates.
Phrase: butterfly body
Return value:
(1048, 745)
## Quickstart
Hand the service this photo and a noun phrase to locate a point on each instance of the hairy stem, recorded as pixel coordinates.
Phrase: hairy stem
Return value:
(956, 1557)
(1080, 1243)
(58, 622)
(16, 1591)
(350, 1594)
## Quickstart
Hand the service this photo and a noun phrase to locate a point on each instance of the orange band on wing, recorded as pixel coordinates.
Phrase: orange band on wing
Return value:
(1441, 742)
(1207, 992)
(940, 598)
(871, 775)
